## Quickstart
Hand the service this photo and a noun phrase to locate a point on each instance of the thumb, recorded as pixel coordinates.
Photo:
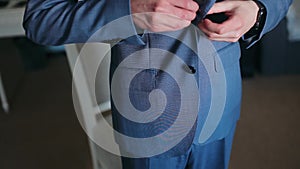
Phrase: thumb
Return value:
(224, 6)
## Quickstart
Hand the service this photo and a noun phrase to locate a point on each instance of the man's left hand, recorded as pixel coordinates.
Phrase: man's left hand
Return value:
(241, 17)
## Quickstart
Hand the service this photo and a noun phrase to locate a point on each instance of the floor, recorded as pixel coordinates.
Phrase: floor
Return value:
(268, 134)
(42, 131)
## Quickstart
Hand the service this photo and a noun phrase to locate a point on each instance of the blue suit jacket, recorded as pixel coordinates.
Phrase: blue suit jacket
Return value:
(56, 22)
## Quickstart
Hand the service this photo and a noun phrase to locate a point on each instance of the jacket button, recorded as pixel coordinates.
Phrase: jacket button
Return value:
(192, 69)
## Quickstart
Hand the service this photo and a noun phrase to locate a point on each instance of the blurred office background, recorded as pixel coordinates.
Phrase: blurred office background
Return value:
(40, 129)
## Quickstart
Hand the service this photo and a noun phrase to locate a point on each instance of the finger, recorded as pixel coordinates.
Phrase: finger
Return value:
(228, 36)
(230, 25)
(185, 4)
(210, 26)
(223, 6)
(176, 11)
(159, 22)
(169, 23)
(225, 39)
(182, 13)
(216, 37)
(233, 24)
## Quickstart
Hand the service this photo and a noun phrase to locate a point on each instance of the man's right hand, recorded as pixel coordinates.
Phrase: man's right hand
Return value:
(163, 15)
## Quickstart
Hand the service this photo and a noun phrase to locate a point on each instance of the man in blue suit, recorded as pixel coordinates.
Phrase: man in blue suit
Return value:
(145, 57)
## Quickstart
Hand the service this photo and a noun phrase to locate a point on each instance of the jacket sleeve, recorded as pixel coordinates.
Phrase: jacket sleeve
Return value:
(276, 11)
(57, 22)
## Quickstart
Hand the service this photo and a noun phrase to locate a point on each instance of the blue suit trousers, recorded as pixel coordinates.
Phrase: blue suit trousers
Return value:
(214, 155)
